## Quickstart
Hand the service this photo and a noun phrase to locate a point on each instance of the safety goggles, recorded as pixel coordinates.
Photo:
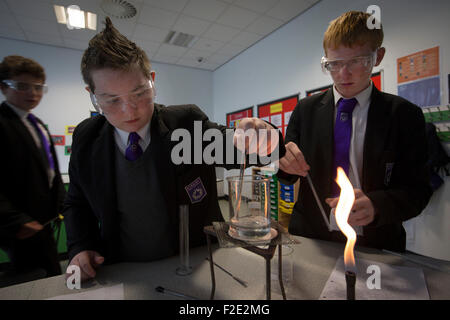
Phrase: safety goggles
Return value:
(109, 104)
(26, 86)
(357, 63)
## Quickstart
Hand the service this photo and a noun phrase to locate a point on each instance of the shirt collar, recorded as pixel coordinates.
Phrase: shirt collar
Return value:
(363, 97)
(144, 133)
(22, 114)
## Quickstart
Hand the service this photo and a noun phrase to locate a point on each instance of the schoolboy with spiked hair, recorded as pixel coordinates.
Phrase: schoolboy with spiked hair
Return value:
(125, 190)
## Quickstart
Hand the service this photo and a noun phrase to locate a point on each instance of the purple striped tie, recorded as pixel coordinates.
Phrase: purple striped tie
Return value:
(134, 150)
(45, 142)
(342, 138)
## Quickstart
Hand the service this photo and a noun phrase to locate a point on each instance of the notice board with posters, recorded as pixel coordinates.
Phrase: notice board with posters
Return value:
(234, 117)
(317, 90)
(278, 112)
(418, 77)
(377, 79)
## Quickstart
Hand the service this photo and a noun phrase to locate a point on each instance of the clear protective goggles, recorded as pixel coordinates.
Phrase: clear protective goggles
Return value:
(26, 86)
(357, 63)
(109, 104)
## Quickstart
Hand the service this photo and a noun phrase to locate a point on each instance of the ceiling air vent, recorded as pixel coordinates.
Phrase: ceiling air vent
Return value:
(180, 39)
(119, 9)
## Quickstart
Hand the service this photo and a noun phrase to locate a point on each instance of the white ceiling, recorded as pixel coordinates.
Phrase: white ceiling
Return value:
(224, 27)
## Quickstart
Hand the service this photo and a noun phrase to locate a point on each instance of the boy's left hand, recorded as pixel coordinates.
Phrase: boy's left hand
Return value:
(363, 212)
(256, 136)
(28, 230)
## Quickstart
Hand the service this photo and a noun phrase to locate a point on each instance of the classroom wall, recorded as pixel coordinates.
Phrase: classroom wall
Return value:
(288, 62)
(68, 103)
(284, 63)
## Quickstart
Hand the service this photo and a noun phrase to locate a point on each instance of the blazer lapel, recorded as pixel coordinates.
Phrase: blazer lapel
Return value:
(160, 137)
(22, 131)
(324, 154)
(104, 168)
(377, 130)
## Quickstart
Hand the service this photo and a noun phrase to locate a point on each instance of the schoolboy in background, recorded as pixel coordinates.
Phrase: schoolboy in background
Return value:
(31, 188)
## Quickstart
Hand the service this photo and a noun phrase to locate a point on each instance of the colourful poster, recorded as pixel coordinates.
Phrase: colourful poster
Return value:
(418, 77)
(318, 90)
(233, 118)
(70, 129)
(278, 112)
(59, 140)
(377, 79)
(418, 65)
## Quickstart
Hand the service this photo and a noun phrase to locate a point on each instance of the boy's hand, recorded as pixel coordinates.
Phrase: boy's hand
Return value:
(363, 212)
(255, 136)
(88, 261)
(293, 161)
(28, 230)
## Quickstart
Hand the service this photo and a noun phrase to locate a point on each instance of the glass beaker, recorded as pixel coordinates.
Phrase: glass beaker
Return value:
(249, 201)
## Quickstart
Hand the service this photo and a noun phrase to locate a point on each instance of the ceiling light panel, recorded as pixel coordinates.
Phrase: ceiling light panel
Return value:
(91, 21)
(75, 17)
(60, 13)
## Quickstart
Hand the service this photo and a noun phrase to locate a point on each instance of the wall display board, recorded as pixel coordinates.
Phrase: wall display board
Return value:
(94, 113)
(440, 117)
(234, 117)
(418, 77)
(318, 90)
(278, 112)
(418, 65)
(377, 79)
(70, 130)
(59, 140)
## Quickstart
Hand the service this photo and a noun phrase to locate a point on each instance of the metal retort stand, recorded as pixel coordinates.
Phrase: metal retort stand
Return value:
(220, 231)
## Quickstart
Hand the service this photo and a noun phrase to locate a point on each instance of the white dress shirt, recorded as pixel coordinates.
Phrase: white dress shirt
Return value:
(359, 123)
(121, 138)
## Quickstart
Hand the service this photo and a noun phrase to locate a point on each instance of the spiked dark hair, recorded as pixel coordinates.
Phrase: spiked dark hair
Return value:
(111, 49)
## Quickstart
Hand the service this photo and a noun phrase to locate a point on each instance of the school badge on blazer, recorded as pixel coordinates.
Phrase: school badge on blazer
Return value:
(196, 190)
(388, 173)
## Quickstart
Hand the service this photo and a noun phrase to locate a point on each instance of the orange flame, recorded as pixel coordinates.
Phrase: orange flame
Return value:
(344, 206)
